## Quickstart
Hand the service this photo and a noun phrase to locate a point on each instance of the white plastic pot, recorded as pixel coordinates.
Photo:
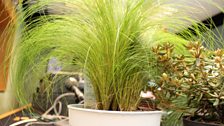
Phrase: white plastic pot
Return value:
(79, 116)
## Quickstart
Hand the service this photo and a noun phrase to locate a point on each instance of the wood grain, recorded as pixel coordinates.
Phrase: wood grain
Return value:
(7, 16)
(14, 111)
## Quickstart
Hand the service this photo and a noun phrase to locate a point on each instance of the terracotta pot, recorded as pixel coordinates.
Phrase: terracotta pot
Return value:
(188, 122)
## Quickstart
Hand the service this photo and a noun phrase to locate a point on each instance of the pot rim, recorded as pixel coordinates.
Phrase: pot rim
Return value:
(79, 107)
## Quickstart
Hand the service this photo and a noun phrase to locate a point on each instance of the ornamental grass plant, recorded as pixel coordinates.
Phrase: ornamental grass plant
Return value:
(109, 41)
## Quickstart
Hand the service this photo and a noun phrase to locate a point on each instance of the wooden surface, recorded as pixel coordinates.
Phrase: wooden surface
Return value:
(7, 16)
(14, 116)
(14, 111)
(22, 113)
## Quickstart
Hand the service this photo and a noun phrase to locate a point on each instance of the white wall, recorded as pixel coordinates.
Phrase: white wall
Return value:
(7, 99)
(199, 9)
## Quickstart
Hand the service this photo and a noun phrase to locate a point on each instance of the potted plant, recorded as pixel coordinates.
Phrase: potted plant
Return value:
(197, 78)
(109, 42)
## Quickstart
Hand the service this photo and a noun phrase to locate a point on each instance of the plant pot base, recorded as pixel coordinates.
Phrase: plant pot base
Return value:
(79, 116)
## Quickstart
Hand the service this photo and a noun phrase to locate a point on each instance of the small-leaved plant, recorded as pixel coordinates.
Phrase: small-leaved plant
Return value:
(196, 76)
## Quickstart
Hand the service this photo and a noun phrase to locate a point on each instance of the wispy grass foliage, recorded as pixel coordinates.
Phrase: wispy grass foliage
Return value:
(108, 40)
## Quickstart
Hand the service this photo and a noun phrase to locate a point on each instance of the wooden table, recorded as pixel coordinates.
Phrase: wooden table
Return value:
(8, 118)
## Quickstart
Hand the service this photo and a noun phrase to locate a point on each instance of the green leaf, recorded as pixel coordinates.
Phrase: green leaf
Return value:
(216, 102)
